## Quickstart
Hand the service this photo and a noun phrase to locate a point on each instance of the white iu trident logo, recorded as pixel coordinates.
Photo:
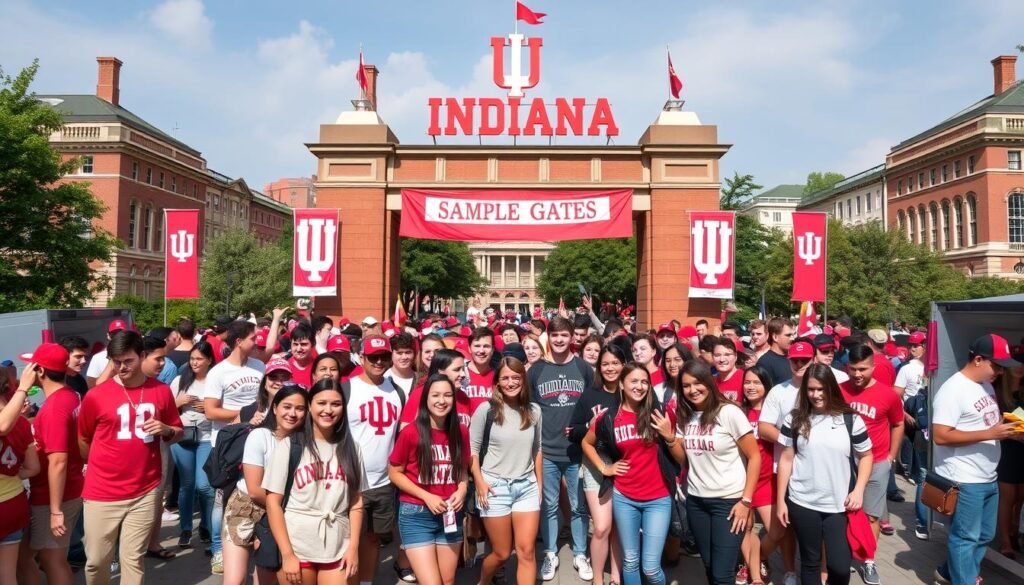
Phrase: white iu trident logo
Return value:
(183, 245)
(319, 256)
(715, 259)
(516, 82)
(808, 247)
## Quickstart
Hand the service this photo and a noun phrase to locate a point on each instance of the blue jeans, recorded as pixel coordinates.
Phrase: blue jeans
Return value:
(217, 521)
(920, 510)
(189, 462)
(554, 471)
(971, 530)
(653, 517)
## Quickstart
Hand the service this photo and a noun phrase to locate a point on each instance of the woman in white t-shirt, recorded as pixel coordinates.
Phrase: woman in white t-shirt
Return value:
(815, 484)
(192, 451)
(724, 464)
(247, 504)
(317, 530)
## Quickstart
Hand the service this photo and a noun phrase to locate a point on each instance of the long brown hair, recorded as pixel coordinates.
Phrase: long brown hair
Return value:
(714, 402)
(452, 430)
(835, 404)
(644, 420)
(522, 401)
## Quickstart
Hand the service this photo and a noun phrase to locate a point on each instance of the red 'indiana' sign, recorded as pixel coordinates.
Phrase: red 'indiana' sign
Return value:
(504, 215)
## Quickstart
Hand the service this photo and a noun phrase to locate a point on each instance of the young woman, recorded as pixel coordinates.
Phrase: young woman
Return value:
(728, 377)
(429, 466)
(1010, 472)
(590, 347)
(604, 394)
(639, 441)
(509, 333)
(19, 462)
(672, 359)
(247, 504)
(815, 486)
(318, 530)
(430, 345)
(724, 464)
(452, 364)
(508, 475)
(533, 348)
(645, 353)
(756, 383)
(191, 453)
(326, 365)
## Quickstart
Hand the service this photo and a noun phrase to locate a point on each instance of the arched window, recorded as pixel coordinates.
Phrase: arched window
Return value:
(133, 218)
(147, 224)
(933, 222)
(1015, 214)
(901, 222)
(922, 220)
(158, 242)
(958, 222)
(946, 221)
(912, 224)
(972, 220)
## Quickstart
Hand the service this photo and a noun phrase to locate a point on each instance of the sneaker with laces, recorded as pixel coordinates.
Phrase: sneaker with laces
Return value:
(869, 573)
(582, 565)
(549, 566)
(742, 575)
(789, 579)
(921, 532)
(217, 564)
(886, 528)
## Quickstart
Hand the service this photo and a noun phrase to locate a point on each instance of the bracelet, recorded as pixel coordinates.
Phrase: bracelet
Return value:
(56, 513)
(668, 443)
(747, 502)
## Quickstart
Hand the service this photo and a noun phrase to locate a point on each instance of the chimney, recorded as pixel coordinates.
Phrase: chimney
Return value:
(1004, 72)
(371, 85)
(108, 82)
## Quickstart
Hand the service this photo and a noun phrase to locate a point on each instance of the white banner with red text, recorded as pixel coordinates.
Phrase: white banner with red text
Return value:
(516, 215)
(181, 256)
(712, 254)
(315, 261)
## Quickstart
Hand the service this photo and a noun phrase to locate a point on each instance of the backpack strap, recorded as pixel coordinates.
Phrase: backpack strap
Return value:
(488, 423)
(294, 455)
(346, 391)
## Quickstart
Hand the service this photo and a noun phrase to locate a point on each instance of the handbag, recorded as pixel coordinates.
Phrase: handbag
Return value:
(189, 436)
(940, 494)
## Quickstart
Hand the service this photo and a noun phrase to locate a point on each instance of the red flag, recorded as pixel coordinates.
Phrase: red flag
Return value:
(315, 260)
(810, 230)
(808, 323)
(561, 305)
(400, 316)
(181, 254)
(528, 16)
(712, 254)
(361, 74)
(675, 84)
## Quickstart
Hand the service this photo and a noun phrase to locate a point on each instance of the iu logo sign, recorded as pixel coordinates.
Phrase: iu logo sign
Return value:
(712, 263)
(515, 82)
(808, 247)
(315, 270)
(181, 257)
(810, 256)
(183, 245)
(379, 414)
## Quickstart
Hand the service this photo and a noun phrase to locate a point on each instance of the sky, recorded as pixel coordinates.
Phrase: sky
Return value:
(793, 86)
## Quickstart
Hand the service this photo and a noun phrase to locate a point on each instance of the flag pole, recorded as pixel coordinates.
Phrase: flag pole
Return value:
(362, 92)
(164, 244)
(668, 56)
(515, 15)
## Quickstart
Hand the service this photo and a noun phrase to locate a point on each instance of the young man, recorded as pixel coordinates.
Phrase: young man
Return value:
(230, 385)
(702, 327)
(882, 412)
(885, 372)
(731, 330)
(580, 329)
(479, 380)
(666, 336)
(303, 354)
(56, 494)
(909, 385)
(169, 337)
(120, 424)
(556, 386)
(340, 346)
(825, 352)
(403, 358)
(373, 406)
(78, 354)
(321, 325)
(186, 333)
(759, 338)
(98, 363)
(967, 426)
(774, 360)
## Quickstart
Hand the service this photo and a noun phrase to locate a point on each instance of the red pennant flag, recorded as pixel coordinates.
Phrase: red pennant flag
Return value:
(675, 84)
(361, 74)
(400, 316)
(808, 323)
(712, 254)
(315, 261)
(181, 254)
(809, 256)
(528, 16)
(561, 305)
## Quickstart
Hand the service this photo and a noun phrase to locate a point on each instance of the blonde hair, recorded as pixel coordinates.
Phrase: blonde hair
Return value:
(544, 353)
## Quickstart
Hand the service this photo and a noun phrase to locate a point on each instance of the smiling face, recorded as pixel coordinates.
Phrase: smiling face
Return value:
(559, 341)
(401, 359)
(456, 371)
(327, 368)
(430, 347)
(76, 360)
(798, 367)
(816, 395)
(860, 372)
(510, 383)
(611, 367)
(590, 352)
(673, 362)
(824, 355)
(533, 350)
(481, 351)
(636, 386)
(440, 399)
(694, 391)
(326, 408)
(275, 381)
(643, 353)
(290, 413)
(377, 363)
(753, 389)
(724, 359)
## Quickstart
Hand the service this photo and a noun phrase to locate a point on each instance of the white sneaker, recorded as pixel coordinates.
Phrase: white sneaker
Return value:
(169, 516)
(789, 579)
(582, 565)
(547, 569)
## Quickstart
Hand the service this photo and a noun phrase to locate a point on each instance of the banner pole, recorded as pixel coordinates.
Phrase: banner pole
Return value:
(165, 235)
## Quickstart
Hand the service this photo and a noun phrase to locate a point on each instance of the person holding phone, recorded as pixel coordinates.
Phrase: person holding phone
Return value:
(191, 453)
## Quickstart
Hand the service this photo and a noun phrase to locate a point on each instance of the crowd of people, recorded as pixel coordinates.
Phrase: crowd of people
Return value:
(304, 444)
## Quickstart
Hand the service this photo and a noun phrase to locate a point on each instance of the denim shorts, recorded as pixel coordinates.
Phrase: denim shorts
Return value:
(12, 538)
(511, 495)
(418, 526)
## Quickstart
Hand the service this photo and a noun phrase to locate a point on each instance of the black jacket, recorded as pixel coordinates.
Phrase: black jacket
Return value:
(608, 449)
(595, 396)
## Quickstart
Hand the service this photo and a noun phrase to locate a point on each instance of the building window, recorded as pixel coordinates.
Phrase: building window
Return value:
(135, 171)
(777, 217)
(133, 211)
(912, 224)
(1015, 213)
(195, 191)
(1013, 160)
(970, 165)
(956, 169)
(858, 205)
(958, 222)
(849, 208)
(920, 180)
(216, 203)
(972, 220)
(161, 180)
(931, 175)
(147, 224)
(149, 176)
(899, 187)
(945, 173)
(922, 224)
(933, 219)
(867, 200)
(946, 220)
(901, 222)
(158, 242)
(174, 183)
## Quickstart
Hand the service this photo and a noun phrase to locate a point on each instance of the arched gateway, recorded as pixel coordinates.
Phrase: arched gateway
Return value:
(363, 171)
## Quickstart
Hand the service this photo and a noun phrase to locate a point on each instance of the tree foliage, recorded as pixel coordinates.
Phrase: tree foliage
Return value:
(439, 268)
(149, 314)
(258, 277)
(819, 181)
(47, 236)
(737, 190)
(606, 268)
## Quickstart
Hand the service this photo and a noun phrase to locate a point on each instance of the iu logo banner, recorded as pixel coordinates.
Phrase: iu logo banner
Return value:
(810, 231)
(712, 254)
(315, 263)
(181, 254)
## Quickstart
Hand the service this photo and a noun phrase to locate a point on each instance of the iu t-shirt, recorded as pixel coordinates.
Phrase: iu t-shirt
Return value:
(12, 454)
(56, 431)
(881, 410)
(966, 406)
(732, 387)
(124, 461)
(412, 407)
(477, 388)
(441, 478)
(642, 482)
(373, 418)
(235, 386)
(716, 467)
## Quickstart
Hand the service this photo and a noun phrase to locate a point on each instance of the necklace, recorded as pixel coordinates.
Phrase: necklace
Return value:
(142, 397)
(326, 469)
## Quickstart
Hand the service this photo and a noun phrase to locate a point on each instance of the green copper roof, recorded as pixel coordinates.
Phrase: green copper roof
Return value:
(788, 191)
(848, 184)
(1010, 101)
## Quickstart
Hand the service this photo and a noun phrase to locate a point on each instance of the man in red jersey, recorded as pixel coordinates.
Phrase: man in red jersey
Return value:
(303, 354)
(119, 426)
(479, 376)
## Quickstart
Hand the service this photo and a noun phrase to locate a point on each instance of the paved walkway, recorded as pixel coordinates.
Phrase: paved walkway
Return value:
(902, 560)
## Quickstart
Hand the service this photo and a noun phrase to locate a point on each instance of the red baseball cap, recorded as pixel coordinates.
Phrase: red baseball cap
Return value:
(50, 356)
(343, 321)
(375, 344)
(261, 337)
(339, 343)
(916, 338)
(277, 365)
(740, 348)
(117, 325)
(462, 346)
(450, 322)
(687, 331)
(800, 349)
(389, 329)
(995, 348)
(666, 327)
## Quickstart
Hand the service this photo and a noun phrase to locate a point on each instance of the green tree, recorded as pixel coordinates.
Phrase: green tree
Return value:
(737, 190)
(606, 268)
(762, 257)
(819, 181)
(47, 237)
(149, 314)
(439, 268)
(258, 278)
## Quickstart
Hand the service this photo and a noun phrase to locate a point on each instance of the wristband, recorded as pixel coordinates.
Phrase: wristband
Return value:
(56, 513)
(747, 502)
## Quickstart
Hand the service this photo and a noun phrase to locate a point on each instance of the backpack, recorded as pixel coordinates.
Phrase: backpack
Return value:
(224, 465)
(268, 555)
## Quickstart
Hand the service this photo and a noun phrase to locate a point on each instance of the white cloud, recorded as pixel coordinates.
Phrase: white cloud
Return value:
(184, 22)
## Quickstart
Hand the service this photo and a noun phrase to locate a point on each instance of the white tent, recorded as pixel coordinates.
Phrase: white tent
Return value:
(960, 322)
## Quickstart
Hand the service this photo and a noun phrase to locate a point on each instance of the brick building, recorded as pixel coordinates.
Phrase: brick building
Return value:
(299, 192)
(268, 218)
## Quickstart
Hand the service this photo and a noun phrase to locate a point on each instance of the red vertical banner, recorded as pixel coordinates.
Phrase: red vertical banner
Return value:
(712, 254)
(315, 261)
(181, 254)
(810, 233)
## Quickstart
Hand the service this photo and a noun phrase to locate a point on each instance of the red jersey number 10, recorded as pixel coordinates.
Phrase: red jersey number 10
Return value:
(145, 411)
